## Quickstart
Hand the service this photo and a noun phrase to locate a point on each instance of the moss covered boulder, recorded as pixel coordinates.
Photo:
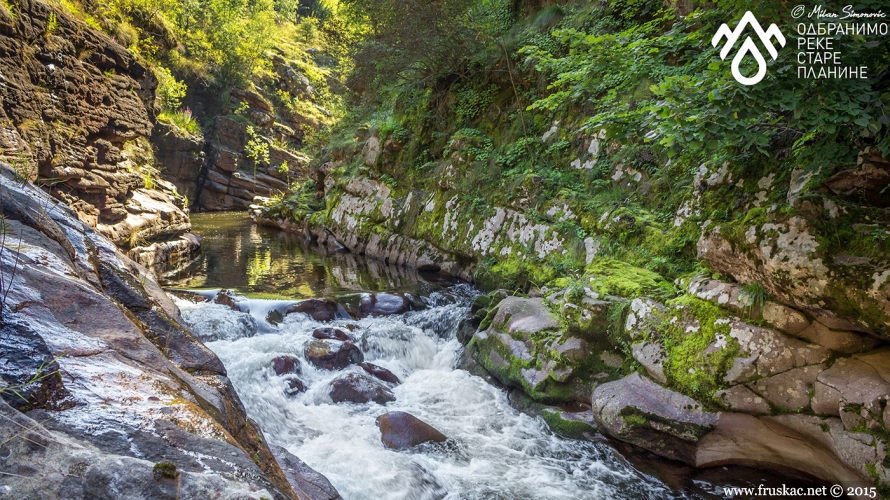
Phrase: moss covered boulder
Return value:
(639, 411)
(525, 346)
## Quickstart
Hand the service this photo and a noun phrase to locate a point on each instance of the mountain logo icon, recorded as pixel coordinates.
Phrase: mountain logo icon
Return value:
(748, 46)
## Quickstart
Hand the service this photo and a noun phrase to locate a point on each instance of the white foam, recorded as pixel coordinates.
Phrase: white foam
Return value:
(493, 451)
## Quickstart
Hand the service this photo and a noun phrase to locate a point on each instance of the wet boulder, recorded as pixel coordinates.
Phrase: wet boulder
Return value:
(319, 309)
(307, 482)
(400, 431)
(383, 304)
(284, 365)
(359, 388)
(380, 372)
(294, 386)
(28, 366)
(572, 420)
(467, 328)
(218, 323)
(332, 354)
(331, 334)
(226, 298)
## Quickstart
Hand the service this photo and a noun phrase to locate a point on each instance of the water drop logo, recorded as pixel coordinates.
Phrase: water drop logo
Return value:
(748, 46)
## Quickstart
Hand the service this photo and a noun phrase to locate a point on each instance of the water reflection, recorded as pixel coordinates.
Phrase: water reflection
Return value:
(265, 262)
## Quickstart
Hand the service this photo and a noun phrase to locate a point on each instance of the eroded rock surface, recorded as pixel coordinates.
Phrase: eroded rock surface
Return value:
(130, 385)
(359, 388)
(78, 110)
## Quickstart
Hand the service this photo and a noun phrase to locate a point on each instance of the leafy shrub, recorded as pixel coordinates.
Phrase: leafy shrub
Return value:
(256, 148)
(170, 91)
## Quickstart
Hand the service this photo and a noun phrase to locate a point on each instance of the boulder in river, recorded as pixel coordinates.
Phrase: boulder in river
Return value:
(332, 354)
(319, 309)
(383, 304)
(359, 388)
(294, 387)
(226, 298)
(283, 365)
(380, 372)
(400, 431)
(331, 334)
(307, 482)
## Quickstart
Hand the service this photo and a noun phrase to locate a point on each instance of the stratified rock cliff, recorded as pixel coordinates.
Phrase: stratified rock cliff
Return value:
(76, 113)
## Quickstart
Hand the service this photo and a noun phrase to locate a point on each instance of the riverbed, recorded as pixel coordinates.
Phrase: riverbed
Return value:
(493, 451)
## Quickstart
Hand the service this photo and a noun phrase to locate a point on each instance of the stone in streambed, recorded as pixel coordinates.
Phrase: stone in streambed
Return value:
(294, 387)
(226, 298)
(383, 304)
(283, 365)
(331, 334)
(572, 420)
(380, 372)
(641, 412)
(400, 431)
(359, 388)
(319, 309)
(332, 354)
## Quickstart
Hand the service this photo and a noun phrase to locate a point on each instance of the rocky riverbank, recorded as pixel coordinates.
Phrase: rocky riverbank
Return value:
(106, 391)
(774, 358)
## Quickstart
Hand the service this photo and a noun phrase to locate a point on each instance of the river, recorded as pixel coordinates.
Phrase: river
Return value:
(493, 450)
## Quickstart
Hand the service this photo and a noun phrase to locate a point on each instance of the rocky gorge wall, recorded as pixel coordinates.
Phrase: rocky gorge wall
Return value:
(77, 112)
(106, 392)
(776, 357)
(214, 170)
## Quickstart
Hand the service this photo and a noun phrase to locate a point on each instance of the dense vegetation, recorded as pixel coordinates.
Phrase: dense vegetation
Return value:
(519, 92)
(484, 81)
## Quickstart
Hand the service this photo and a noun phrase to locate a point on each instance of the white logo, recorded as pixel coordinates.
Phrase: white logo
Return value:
(748, 46)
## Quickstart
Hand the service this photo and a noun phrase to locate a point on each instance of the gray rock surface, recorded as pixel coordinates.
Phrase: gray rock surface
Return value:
(130, 385)
(639, 411)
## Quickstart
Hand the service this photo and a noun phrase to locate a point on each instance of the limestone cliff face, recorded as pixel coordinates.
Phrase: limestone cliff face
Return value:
(76, 113)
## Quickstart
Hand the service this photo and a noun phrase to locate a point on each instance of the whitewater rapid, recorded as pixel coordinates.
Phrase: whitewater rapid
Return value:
(493, 451)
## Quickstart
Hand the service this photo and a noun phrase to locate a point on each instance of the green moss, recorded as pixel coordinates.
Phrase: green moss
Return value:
(614, 277)
(573, 429)
(165, 470)
(634, 420)
(489, 317)
(480, 303)
(689, 368)
(509, 371)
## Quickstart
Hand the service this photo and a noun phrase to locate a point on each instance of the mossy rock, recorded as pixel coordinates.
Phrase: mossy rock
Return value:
(573, 425)
(618, 278)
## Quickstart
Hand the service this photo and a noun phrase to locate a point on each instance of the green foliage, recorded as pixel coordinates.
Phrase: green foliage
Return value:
(182, 119)
(256, 148)
(645, 82)
(612, 277)
(170, 91)
(295, 205)
(754, 296)
(9, 8)
(222, 40)
(470, 103)
(52, 24)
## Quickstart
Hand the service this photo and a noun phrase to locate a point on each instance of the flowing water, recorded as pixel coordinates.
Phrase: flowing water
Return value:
(493, 450)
